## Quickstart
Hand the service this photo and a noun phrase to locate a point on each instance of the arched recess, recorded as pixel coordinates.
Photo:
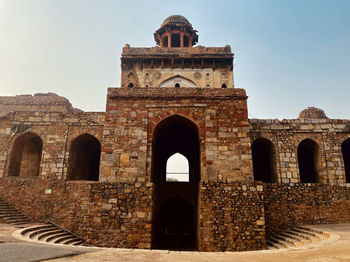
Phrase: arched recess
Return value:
(264, 161)
(175, 134)
(84, 158)
(177, 81)
(25, 156)
(345, 148)
(308, 160)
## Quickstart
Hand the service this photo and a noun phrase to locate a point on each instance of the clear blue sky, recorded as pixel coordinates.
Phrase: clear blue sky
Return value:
(288, 54)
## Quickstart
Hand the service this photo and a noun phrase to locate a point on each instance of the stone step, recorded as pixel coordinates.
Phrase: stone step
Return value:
(31, 229)
(41, 231)
(296, 237)
(66, 238)
(58, 235)
(43, 236)
(52, 233)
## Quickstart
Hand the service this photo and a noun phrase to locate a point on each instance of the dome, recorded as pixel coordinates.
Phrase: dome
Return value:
(176, 20)
(312, 112)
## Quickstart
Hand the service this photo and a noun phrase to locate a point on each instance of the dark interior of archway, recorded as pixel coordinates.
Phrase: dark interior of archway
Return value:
(308, 159)
(177, 220)
(84, 158)
(26, 156)
(346, 157)
(186, 41)
(175, 135)
(263, 154)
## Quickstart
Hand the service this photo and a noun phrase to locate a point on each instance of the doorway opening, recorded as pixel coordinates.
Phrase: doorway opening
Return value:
(176, 176)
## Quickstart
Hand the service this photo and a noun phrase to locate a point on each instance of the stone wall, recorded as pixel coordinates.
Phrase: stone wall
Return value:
(56, 131)
(232, 216)
(133, 113)
(103, 214)
(286, 135)
(288, 205)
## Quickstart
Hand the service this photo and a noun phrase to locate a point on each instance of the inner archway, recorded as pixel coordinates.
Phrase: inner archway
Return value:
(84, 158)
(308, 159)
(175, 202)
(345, 148)
(26, 156)
(177, 169)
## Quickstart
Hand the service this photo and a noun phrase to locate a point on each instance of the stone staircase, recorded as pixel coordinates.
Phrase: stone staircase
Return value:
(52, 233)
(10, 215)
(296, 237)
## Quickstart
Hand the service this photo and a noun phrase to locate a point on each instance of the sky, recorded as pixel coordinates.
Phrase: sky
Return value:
(288, 54)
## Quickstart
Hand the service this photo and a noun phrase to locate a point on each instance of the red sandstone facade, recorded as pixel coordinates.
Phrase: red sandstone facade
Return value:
(103, 175)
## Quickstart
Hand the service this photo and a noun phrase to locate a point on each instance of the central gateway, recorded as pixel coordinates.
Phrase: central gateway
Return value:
(179, 100)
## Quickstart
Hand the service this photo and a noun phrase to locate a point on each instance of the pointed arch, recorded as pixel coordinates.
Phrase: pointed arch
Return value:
(175, 135)
(177, 81)
(84, 158)
(25, 156)
(308, 160)
(177, 168)
(264, 162)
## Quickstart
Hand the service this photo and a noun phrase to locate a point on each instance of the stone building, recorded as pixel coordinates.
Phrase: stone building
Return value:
(104, 175)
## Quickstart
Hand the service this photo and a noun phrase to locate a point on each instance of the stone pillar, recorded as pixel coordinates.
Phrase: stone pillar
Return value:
(182, 40)
(169, 40)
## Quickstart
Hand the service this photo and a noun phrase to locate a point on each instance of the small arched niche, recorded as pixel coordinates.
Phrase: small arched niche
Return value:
(308, 160)
(177, 81)
(177, 169)
(345, 148)
(84, 158)
(25, 156)
(264, 163)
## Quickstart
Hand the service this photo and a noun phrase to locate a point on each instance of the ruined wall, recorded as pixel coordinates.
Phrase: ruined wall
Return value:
(49, 102)
(288, 205)
(286, 135)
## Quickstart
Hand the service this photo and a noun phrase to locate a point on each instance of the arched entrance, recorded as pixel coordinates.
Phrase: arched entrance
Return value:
(26, 156)
(345, 148)
(308, 159)
(175, 200)
(84, 158)
(264, 167)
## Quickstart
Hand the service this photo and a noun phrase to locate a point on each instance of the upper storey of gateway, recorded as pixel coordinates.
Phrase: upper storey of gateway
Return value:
(176, 61)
